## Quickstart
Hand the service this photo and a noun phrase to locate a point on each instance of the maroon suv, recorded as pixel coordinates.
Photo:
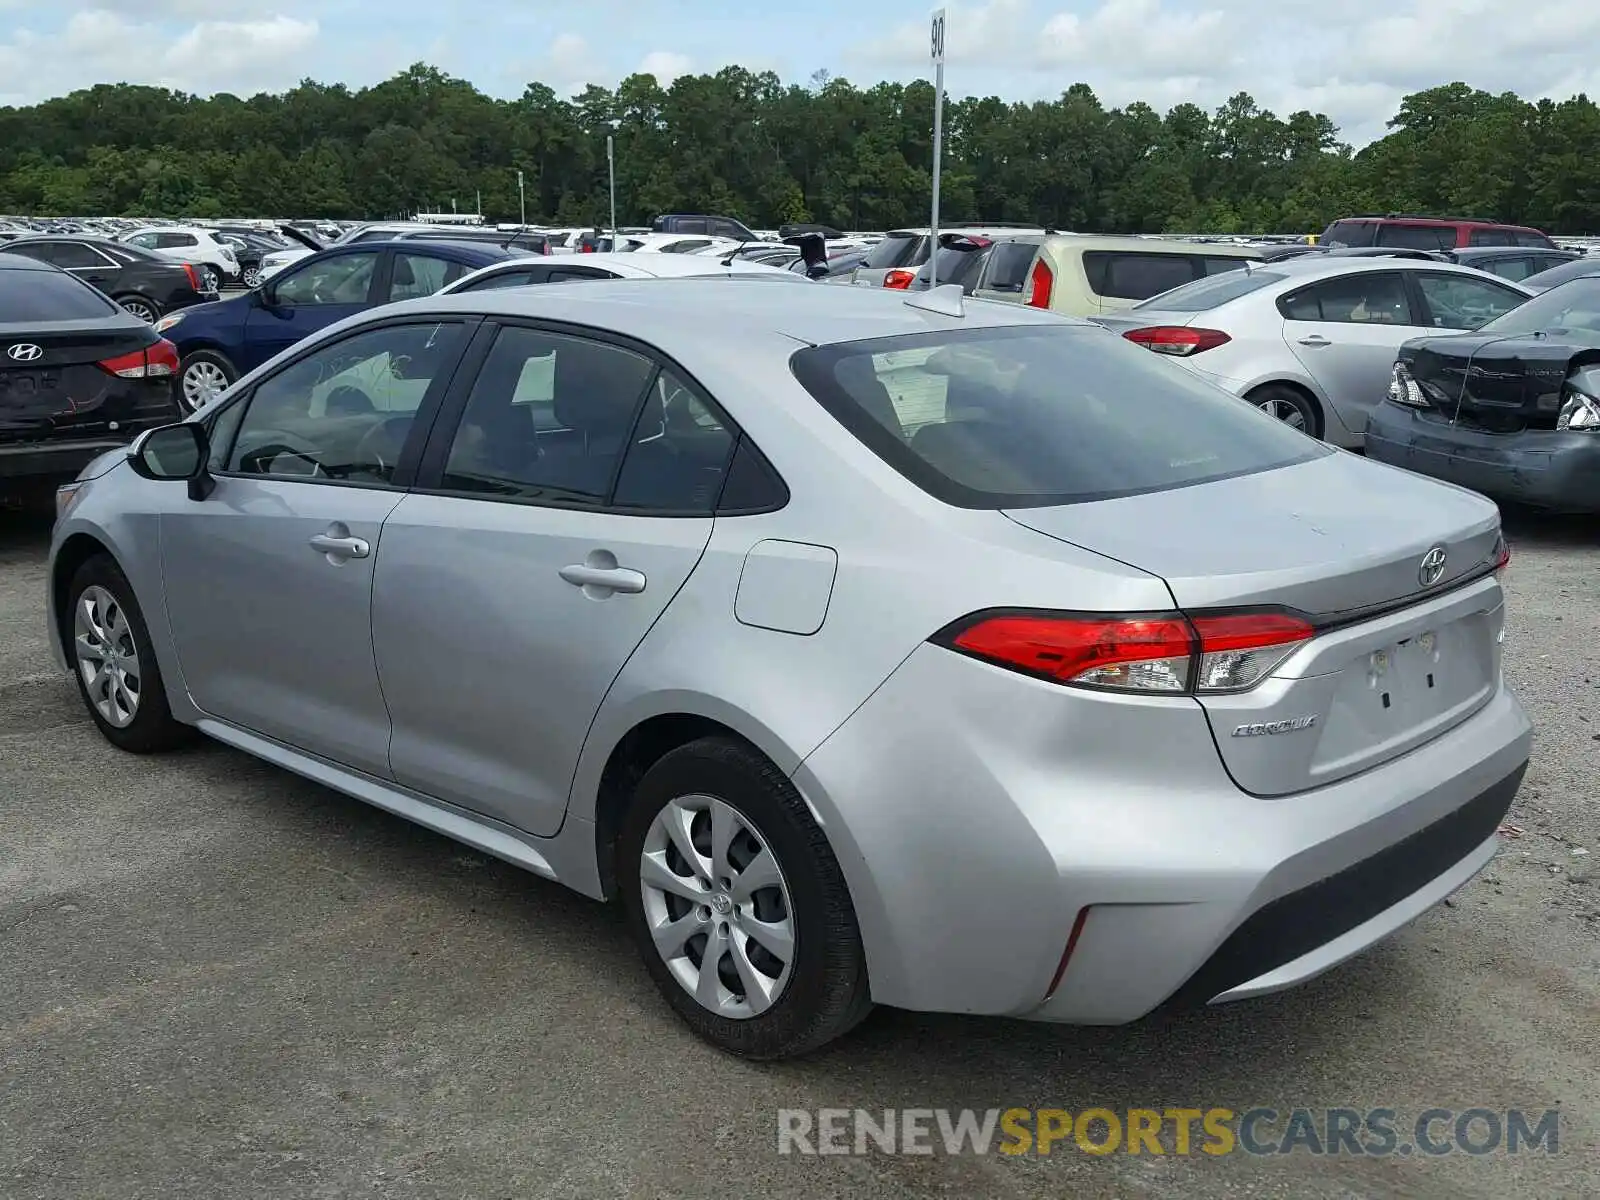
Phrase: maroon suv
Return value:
(1408, 232)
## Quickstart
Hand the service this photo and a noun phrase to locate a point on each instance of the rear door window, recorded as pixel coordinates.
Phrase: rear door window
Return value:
(76, 254)
(1492, 237)
(1133, 275)
(420, 275)
(507, 279)
(1008, 266)
(1368, 298)
(1219, 266)
(1026, 416)
(1518, 266)
(1531, 238)
(1417, 237)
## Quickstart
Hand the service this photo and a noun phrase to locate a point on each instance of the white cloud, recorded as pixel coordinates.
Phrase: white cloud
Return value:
(665, 65)
(207, 56)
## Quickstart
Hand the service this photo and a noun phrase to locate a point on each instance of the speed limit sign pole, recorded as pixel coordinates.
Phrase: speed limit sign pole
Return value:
(937, 48)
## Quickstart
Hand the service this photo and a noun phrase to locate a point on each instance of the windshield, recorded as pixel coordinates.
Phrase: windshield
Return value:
(1207, 293)
(1571, 305)
(1036, 415)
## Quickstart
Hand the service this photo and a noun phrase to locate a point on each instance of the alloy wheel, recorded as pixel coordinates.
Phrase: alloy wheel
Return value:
(717, 906)
(210, 279)
(202, 382)
(252, 277)
(1284, 411)
(140, 309)
(108, 657)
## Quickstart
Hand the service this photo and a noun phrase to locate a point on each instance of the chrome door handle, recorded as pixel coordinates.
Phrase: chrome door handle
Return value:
(612, 579)
(340, 547)
(1316, 339)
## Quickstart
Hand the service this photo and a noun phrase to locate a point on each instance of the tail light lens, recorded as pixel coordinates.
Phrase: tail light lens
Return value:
(1403, 389)
(1179, 340)
(1162, 653)
(899, 279)
(1502, 557)
(194, 276)
(1041, 282)
(153, 362)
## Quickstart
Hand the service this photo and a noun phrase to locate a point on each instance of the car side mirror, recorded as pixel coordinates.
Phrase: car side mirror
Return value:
(174, 452)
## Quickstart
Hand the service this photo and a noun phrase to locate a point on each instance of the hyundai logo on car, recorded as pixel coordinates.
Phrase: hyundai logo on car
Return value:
(25, 352)
(1432, 567)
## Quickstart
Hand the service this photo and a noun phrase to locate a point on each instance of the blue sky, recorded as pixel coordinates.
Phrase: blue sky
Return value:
(1352, 60)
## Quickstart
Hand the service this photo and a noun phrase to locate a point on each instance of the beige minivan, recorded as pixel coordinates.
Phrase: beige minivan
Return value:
(1083, 275)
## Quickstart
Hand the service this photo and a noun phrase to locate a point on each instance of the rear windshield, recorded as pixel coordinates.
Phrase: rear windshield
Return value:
(1136, 275)
(896, 250)
(1037, 415)
(1417, 237)
(1571, 305)
(1008, 265)
(48, 296)
(1207, 293)
(954, 263)
(1578, 268)
(1348, 233)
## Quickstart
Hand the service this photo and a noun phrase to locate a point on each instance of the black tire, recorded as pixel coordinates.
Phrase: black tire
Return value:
(826, 995)
(153, 728)
(210, 278)
(1289, 405)
(146, 306)
(220, 361)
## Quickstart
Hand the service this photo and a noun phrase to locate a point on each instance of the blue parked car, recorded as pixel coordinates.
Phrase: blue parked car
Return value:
(221, 341)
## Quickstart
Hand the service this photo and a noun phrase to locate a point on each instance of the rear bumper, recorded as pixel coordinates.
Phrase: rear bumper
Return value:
(1543, 468)
(32, 460)
(976, 814)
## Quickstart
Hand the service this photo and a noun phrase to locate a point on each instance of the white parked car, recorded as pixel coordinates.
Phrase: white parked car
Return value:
(190, 244)
(523, 272)
(1313, 340)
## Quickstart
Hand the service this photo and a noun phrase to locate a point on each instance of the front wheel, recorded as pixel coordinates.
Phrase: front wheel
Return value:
(252, 277)
(202, 378)
(114, 663)
(738, 906)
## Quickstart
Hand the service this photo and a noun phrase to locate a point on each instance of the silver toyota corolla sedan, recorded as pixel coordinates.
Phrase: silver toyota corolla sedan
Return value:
(958, 657)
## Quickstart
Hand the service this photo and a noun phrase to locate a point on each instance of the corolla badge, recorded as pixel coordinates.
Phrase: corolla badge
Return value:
(1431, 569)
(1266, 728)
(25, 352)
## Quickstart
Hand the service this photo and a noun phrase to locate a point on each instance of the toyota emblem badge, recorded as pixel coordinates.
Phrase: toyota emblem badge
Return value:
(1432, 568)
(25, 352)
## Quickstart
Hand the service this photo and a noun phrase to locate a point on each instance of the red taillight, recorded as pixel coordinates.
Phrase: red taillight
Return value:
(1502, 556)
(1181, 340)
(1040, 284)
(152, 362)
(899, 279)
(1161, 652)
(194, 276)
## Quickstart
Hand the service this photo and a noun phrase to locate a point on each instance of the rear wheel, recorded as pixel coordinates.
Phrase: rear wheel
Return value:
(138, 306)
(252, 277)
(737, 904)
(1294, 408)
(114, 663)
(202, 377)
(210, 278)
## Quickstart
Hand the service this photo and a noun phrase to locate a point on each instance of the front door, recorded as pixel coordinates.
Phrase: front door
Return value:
(269, 579)
(551, 527)
(305, 298)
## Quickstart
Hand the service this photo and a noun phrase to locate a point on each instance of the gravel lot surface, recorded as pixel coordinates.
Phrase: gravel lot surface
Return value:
(219, 980)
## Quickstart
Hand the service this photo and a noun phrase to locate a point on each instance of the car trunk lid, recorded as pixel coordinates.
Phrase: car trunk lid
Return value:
(51, 381)
(1499, 384)
(1395, 663)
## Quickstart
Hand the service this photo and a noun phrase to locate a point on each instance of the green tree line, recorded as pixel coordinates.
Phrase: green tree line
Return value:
(745, 145)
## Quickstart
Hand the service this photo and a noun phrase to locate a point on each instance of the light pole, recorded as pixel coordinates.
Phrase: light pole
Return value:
(611, 174)
(522, 199)
(937, 48)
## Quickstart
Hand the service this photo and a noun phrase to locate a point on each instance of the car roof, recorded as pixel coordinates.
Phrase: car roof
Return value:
(488, 252)
(670, 311)
(1322, 266)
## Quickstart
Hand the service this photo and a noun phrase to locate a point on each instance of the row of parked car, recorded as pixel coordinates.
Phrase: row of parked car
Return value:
(1309, 334)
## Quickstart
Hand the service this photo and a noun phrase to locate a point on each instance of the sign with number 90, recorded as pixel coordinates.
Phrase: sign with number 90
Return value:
(936, 39)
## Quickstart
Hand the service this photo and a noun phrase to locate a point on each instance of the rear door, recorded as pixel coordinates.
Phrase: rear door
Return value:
(1005, 275)
(532, 558)
(83, 261)
(1345, 332)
